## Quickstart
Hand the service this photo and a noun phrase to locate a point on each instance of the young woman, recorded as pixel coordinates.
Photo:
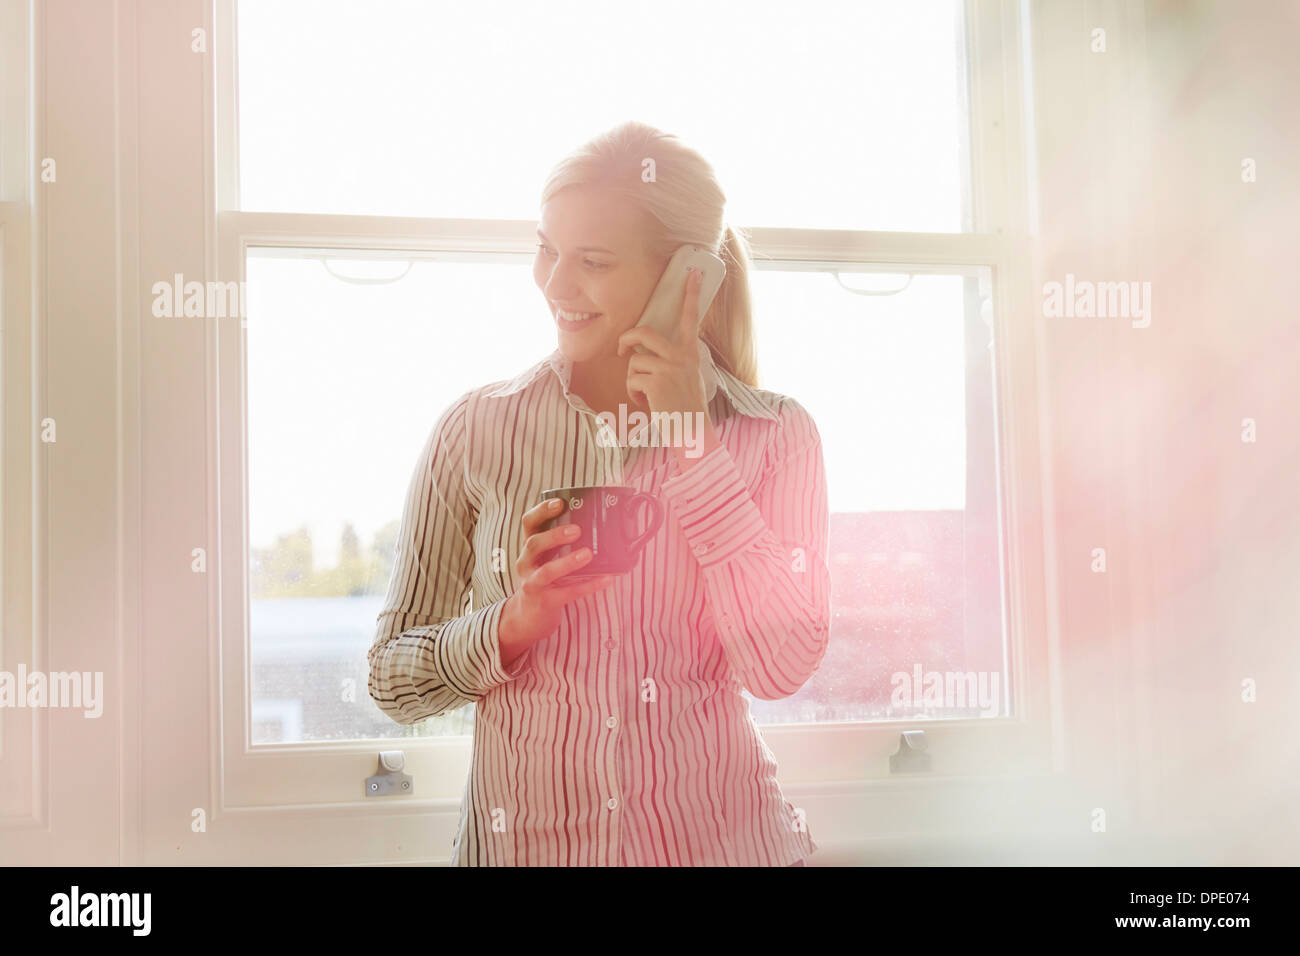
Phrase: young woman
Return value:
(611, 728)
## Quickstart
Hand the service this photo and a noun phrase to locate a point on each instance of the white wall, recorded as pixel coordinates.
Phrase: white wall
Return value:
(1140, 156)
(1202, 537)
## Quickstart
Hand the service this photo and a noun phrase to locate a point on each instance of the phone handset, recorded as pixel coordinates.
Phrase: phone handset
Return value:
(663, 311)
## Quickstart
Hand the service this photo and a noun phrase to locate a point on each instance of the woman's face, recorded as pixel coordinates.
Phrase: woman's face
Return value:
(592, 258)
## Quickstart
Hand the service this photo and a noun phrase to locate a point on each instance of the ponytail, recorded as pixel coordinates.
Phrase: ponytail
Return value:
(728, 325)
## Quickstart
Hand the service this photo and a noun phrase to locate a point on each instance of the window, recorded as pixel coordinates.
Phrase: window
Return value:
(388, 114)
(368, 204)
(345, 379)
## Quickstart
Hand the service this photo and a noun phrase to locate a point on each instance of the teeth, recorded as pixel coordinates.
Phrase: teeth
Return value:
(576, 316)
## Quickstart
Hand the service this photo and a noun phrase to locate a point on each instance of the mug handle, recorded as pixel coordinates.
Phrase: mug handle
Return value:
(656, 518)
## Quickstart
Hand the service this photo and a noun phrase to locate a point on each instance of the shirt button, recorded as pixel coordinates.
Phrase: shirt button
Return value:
(612, 803)
(611, 722)
(610, 645)
(703, 548)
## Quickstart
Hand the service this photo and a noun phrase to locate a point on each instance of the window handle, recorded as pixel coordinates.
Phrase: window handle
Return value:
(358, 280)
(849, 288)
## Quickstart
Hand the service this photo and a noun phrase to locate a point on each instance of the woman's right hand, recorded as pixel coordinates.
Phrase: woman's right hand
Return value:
(533, 612)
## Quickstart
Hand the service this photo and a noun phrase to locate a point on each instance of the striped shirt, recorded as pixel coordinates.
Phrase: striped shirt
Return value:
(623, 738)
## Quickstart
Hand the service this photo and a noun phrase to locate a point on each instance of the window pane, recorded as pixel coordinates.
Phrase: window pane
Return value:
(827, 114)
(901, 388)
(345, 381)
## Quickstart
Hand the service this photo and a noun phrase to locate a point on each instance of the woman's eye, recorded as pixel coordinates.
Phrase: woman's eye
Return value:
(590, 263)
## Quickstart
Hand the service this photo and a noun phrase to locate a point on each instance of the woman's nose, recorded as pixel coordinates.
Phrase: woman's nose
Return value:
(560, 285)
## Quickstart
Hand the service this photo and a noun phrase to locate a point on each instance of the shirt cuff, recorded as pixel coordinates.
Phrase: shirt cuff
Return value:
(475, 667)
(715, 508)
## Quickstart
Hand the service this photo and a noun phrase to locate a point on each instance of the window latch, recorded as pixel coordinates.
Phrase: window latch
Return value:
(390, 779)
(911, 756)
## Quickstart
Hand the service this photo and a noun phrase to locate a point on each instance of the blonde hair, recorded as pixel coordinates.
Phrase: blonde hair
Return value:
(686, 203)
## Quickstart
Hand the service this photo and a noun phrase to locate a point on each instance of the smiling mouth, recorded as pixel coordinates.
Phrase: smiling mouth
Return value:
(572, 320)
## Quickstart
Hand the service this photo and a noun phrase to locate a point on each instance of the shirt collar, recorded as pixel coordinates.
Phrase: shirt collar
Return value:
(743, 398)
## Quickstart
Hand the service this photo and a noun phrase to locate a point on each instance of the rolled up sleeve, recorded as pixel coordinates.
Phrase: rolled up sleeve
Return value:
(763, 555)
(428, 658)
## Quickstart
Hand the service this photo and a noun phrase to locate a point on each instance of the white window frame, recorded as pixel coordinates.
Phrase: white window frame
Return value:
(828, 768)
(23, 731)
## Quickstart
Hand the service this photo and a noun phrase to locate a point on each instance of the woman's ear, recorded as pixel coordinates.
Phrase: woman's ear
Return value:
(658, 263)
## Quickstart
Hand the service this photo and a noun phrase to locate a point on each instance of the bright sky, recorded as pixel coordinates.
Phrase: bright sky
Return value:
(842, 115)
